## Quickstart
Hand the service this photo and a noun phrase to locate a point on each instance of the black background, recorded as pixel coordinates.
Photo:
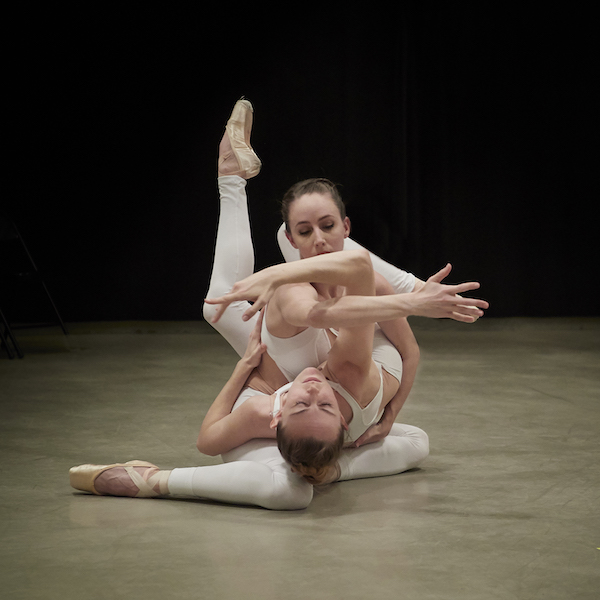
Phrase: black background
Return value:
(460, 132)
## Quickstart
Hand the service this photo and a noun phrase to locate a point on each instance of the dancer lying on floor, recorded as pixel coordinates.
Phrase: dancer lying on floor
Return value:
(258, 475)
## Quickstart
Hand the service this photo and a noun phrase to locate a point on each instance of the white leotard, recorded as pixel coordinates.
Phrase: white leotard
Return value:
(309, 348)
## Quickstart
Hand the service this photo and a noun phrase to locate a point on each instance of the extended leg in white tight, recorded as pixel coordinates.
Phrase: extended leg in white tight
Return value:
(256, 474)
(233, 261)
(243, 482)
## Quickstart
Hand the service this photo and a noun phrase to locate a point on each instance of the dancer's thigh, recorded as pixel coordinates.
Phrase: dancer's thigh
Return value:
(233, 261)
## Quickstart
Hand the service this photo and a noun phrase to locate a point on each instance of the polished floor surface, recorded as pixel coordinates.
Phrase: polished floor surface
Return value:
(506, 507)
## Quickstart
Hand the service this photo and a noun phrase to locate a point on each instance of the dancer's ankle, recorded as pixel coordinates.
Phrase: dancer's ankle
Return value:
(117, 482)
(227, 163)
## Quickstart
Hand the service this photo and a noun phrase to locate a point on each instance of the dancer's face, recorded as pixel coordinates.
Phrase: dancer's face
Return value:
(310, 408)
(316, 226)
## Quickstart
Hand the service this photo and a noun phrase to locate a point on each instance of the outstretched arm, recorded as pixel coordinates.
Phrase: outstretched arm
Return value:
(336, 268)
(434, 299)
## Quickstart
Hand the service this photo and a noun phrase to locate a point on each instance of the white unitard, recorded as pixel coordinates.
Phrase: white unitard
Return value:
(256, 473)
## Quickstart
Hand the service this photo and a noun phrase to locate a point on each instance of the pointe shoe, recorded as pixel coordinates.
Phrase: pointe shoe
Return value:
(84, 478)
(235, 146)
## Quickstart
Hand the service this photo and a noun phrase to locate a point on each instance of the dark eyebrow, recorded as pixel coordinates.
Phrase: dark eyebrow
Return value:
(319, 219)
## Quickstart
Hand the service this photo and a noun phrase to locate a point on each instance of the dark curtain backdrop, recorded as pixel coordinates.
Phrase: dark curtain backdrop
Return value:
(460, 132)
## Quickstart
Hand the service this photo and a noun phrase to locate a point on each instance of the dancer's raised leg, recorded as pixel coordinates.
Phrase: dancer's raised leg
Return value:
(234, 251)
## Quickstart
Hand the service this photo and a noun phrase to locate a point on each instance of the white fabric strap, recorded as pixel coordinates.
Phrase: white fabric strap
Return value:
(145, 490)
(277, 401)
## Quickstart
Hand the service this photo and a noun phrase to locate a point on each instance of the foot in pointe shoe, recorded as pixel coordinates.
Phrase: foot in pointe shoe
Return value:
(134, 479)
(236, 156)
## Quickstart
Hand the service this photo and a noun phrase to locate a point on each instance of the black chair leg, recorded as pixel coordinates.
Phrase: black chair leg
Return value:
(4, 344)
(7, 336)
(62, 325)
(9, 230)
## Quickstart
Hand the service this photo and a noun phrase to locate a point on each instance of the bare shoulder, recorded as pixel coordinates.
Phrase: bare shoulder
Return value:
(255, 414)
(288, 309)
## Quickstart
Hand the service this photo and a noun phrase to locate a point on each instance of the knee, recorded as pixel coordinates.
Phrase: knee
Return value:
(420, 443)
(418, 439)
(424, 443)
(296, 496)
(208, 312)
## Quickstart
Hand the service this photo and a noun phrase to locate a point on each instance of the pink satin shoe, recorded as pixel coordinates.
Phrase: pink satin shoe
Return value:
(236, 156)
(134, 479)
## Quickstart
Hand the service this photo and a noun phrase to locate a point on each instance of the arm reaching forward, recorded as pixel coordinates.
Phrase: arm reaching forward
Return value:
(434, 299)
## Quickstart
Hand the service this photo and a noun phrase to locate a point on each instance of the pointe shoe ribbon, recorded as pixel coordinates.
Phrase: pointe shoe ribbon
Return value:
(238, 130)
(84, 477)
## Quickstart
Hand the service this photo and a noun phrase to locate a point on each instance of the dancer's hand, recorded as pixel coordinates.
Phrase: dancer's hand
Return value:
(373, 434)
(258, 288)
(255, 348)
(439, 301)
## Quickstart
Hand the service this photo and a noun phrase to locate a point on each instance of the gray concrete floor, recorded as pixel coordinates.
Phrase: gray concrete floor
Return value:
(505, 507)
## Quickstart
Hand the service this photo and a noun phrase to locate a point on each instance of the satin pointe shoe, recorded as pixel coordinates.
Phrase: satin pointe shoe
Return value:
(134, 479)
(235, 146)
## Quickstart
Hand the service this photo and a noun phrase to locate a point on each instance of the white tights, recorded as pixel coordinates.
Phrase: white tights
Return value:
(256, 473)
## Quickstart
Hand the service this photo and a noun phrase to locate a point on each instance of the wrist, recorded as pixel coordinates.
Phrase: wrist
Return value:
(412, 303)
(244, 366)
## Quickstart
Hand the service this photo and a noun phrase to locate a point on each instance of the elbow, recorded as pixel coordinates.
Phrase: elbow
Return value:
(209, 311)
(205, 446)
(317, 317)
(362, 263)
(324, 315)
(201, 446)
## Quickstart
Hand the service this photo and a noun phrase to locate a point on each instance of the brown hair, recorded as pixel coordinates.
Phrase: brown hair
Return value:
(317, 185)
(313, 459)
